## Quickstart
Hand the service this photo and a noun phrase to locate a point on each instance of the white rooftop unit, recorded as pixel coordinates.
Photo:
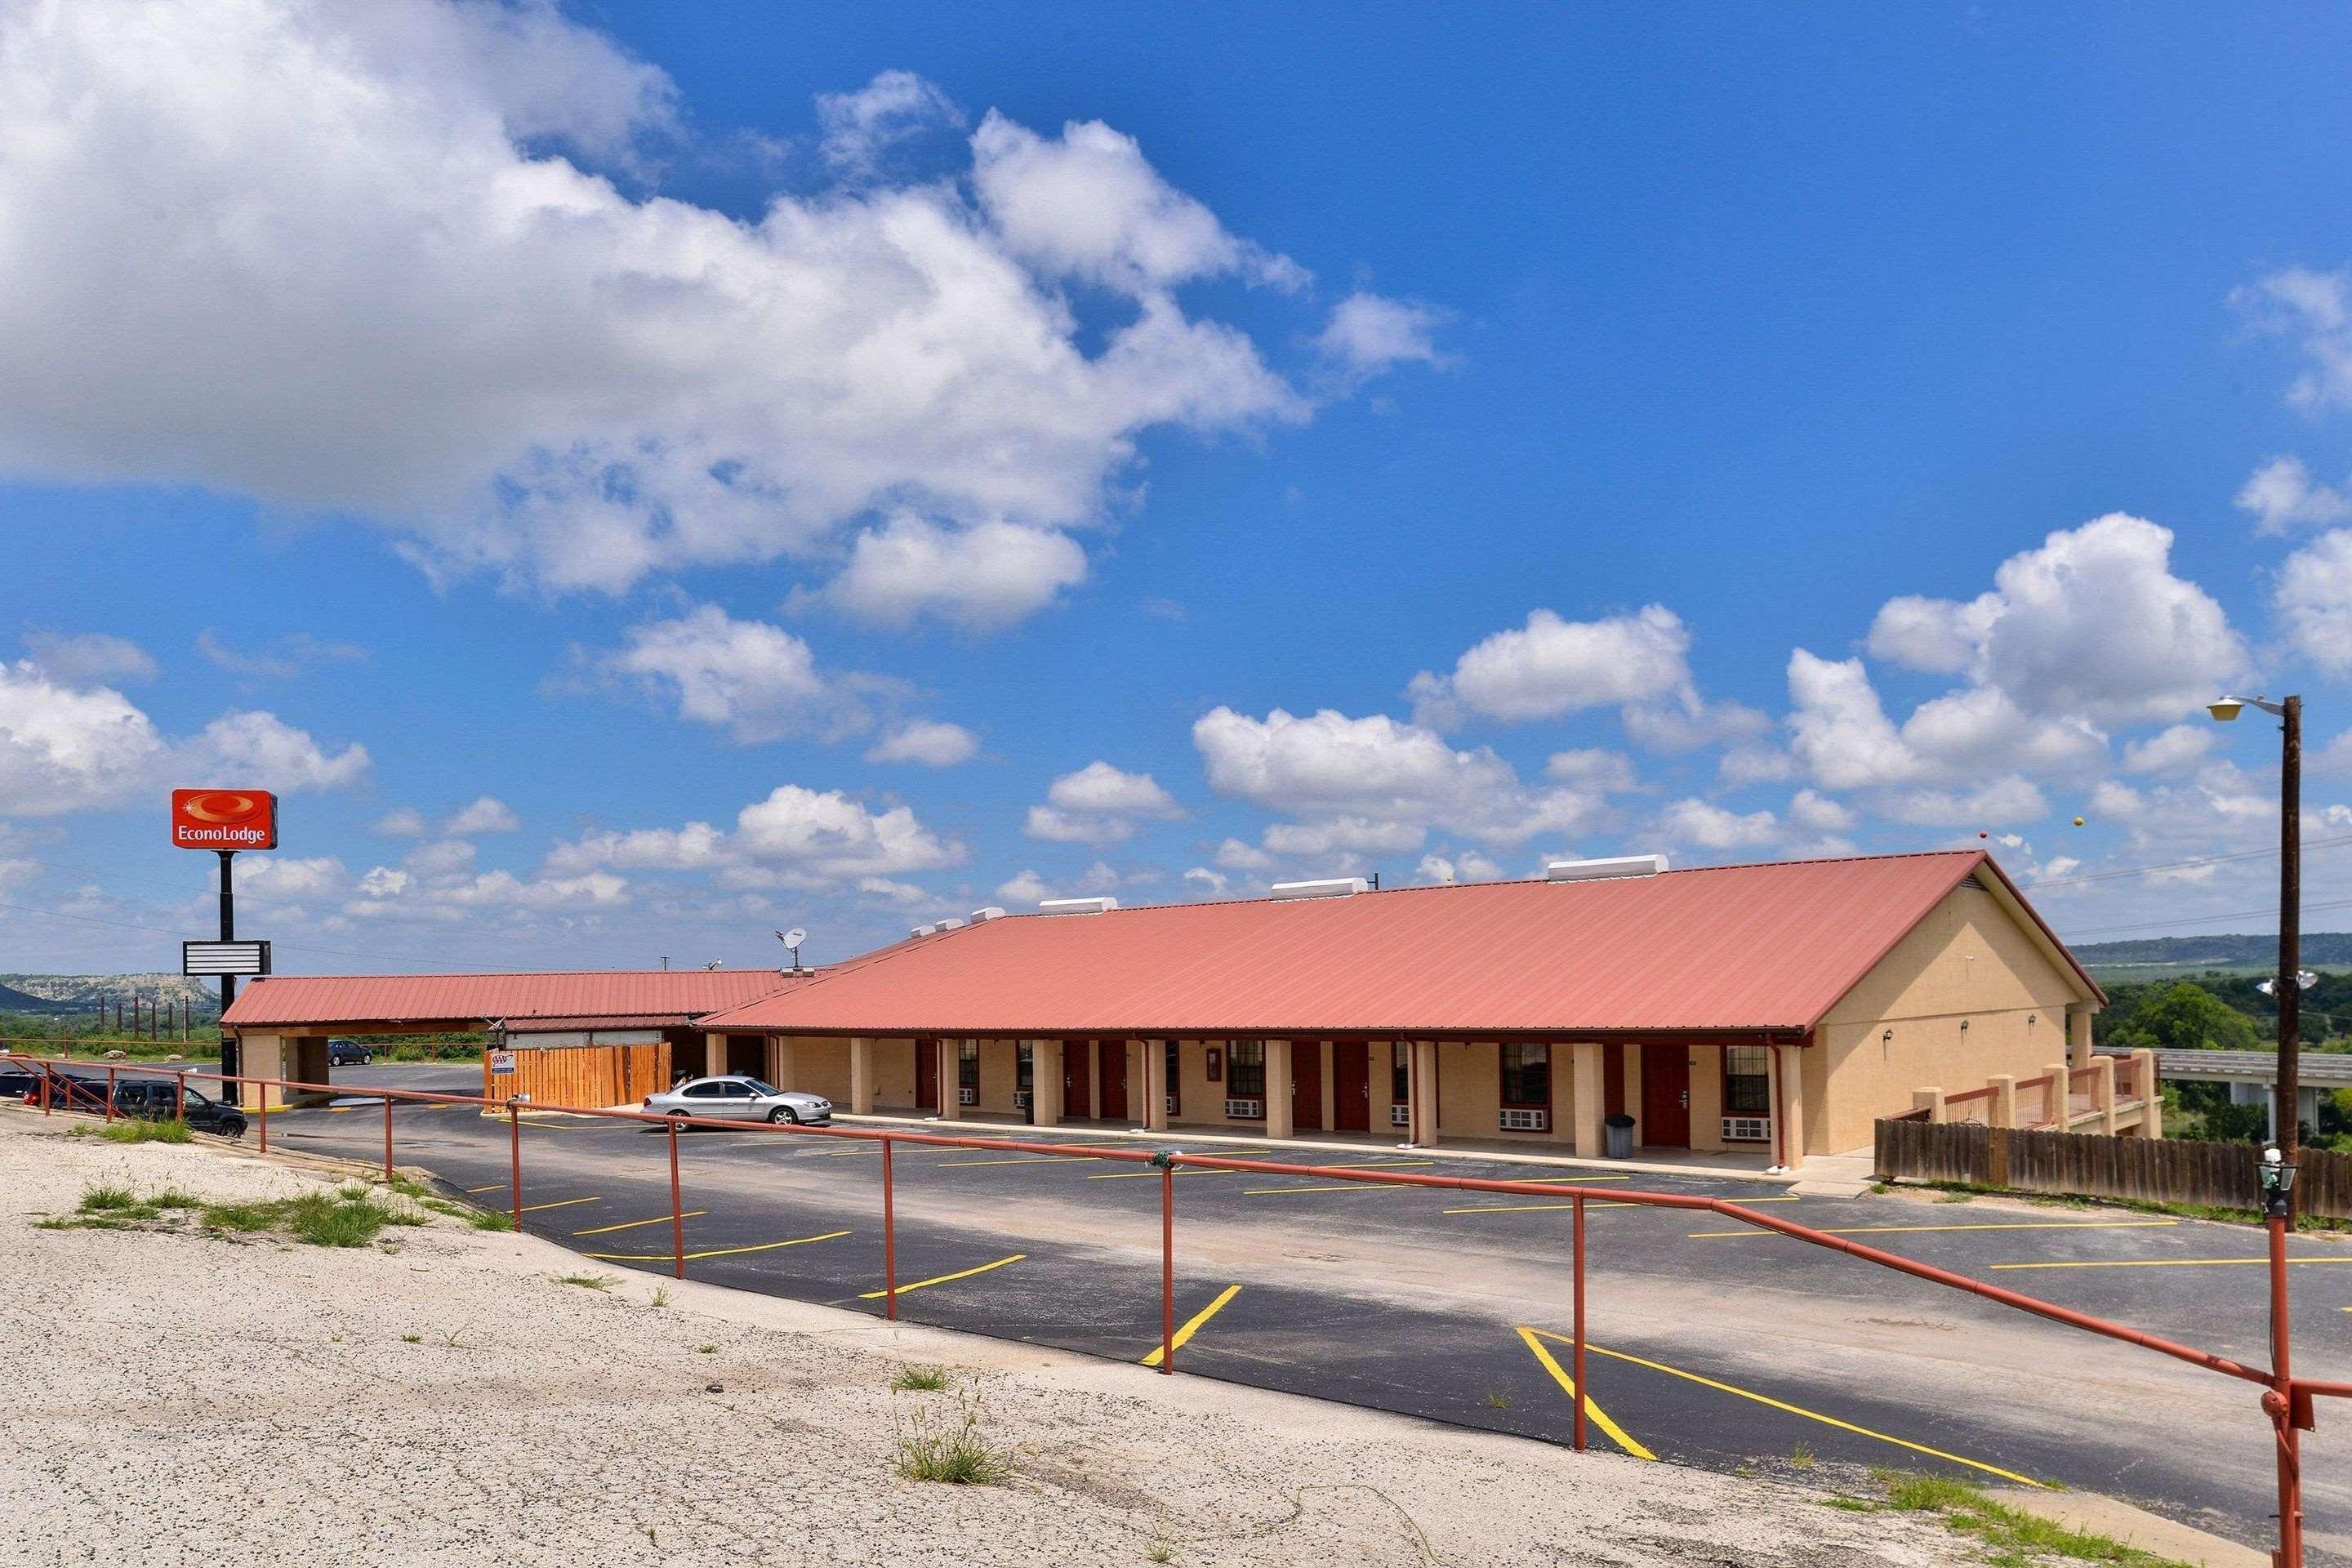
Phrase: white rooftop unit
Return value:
(921, 931)
(1600, 871)
(949, 923)
(1095, 906)
(1325, 888)
(993, 912)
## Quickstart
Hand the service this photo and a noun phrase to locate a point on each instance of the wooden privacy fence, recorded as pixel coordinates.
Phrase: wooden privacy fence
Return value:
(2087, 1164)
(580, 1075)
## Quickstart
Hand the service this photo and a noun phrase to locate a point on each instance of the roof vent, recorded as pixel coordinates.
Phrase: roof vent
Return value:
(1598, 870)
(1327, 888)
(1077, 906)
(922, 930)
(991, 913)
(950, 923)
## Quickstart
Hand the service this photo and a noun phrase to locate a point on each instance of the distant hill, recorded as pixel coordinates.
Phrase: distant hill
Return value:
(82, 993)
(2204, 951)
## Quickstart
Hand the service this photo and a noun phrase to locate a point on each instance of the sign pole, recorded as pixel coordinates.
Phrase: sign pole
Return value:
(228, 1049)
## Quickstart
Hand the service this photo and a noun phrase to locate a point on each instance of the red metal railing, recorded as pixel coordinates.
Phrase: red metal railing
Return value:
(2286, 1400)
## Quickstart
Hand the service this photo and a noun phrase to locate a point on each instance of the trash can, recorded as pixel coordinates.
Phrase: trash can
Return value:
(1621, 1136)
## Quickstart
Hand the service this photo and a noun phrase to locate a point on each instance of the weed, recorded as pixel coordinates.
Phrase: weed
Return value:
(1850, 1504)
(489, 1219)
(107, 1198)
(2013, 1539)
(921, 1380)
(1497, 1401)
(1160, 1551)
(411, 1339)
(1956, 1197)
(952, 1451)
(241, 1217)
(590, 1282)
(1801, 1457)
(143, 1132)
(349, 1217)
(660, 1297)
(706, 1350)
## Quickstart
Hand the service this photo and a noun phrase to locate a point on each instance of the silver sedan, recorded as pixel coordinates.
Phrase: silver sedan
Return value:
(740, 1099)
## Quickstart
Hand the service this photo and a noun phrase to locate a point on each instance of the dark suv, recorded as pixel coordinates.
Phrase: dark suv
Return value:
(154, 1100)
(347, 1053)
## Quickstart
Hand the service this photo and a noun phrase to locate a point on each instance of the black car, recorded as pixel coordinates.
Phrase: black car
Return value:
(154, 1100)
(347, 1053)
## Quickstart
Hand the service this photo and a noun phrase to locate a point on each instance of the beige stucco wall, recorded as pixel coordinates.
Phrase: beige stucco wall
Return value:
(1470, 1093)
(1900, 1029)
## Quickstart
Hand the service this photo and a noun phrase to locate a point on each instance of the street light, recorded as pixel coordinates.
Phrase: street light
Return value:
(2287, 989)
(2278, 1183)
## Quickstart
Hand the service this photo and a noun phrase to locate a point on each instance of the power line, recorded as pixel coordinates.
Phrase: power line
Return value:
(2206, 919)
(2309, 844)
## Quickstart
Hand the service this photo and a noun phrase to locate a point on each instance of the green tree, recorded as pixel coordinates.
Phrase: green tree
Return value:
(2184, 1017)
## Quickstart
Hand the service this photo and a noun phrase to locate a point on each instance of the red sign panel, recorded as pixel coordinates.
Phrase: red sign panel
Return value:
(224, 819)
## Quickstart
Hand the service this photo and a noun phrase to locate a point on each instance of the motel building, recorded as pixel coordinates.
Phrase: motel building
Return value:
(1753, 1014)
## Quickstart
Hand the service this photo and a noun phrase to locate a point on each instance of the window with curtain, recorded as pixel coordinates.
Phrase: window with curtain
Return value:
(1747, 1080)
(968, 1065)
(1024, 1073)
(1245, 1070)
(1175, 1078)
(1400, 1072)
(1527, 1075)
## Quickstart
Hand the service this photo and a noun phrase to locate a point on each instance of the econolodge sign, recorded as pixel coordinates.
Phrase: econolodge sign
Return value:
(224, 819)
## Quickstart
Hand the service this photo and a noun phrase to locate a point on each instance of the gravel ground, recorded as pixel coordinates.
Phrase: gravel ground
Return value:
(203, 1399)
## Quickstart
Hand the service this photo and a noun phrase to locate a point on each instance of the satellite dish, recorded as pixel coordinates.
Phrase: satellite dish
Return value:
(794, 937)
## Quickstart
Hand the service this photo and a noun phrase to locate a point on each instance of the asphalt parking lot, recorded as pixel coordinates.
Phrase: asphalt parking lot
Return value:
(1711, 1343)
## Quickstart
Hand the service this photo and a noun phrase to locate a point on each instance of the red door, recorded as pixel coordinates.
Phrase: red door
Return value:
(1666, 1096)
(1114, 1079)
(1075, 1099)
(927, 1075)
(1306, 1085)
(1351, 1087)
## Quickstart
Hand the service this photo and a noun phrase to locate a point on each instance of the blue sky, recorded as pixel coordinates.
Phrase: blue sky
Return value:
(636, 476)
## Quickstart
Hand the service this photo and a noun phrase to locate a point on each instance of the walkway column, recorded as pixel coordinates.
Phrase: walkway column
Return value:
(1585, 1086)
(714, 1055)
(783, 1061)
(1045, 1082)
(1788, 1090)
(2103, 1092)
(1155, 1085)
(2078, 1033)
(1277, 1088)
(861, 1075)
(2005, 1099)
(1424, 1082)
(2060, 1102)
(951, 1078)
(2148, 1092)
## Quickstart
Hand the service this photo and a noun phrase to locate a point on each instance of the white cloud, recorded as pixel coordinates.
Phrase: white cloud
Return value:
(1343, 835)
(1744, 765)
(1551, 666)
(2281, 496)
(1594, 767)
(2093, 624)
(1330, 766)
(1813, 810)
(888, 894)
(808, 836)
(2312, 307)
(63, 748)
(297, 651)
(520, 368)
(2313, 600)
(265, 751)
(861, 127)
(1695, 822)
(1026, 887)
(442, 859)
(1088, 205)
(697, 846)
(1235, 855)
(1839, 732)
(1209, 883)
(2171, 749)
(1682, 720)
(757, 681)
(1098, 805)
(981, 577)
(281, 878)
(1841, 736)
(401, 822)
(1367, 335)
(2004, 800)
(488, 814)
(933, 742)
(88, 658)
(384, 882)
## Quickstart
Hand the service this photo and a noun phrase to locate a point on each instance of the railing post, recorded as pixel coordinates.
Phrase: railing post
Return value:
(1168, 1267)
(387, 1136)
(676, 1210)
(48, 1072)
(180, 1096)
(889, 1239)
(261, 1099)
(110, 1094)
(1577, 1228)
(514, 1169)
(2280, 1405)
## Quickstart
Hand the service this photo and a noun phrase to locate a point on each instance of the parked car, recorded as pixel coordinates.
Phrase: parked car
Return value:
(19, 1083)
(740, 1099)
(154, 1099)
(348, 1053)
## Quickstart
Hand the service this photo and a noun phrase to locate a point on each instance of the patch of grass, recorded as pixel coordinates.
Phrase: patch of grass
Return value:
(342, 1219)
(1160, 1551)
(2011, 1539)
(921, 1380)
(706, 1350)
(1801, 1457)
(1956, 1197)
(1850, 1504)
(953, 1451)
(411, 1339)
(107, 1198)
(588, 1281)
(489, 1219)
(660, 1297)
(1497, 1401)
(255, 1217)
(144, 1131)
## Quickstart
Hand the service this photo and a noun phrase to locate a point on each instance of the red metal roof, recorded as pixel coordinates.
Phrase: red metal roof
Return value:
(323, 999)
(1762, 947)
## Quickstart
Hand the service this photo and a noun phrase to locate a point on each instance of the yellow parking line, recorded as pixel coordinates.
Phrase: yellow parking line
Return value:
(1905, 1229)
(943, 1278)
(2168, 1262)
(1181, 1170)
(1600, 1417)
(1192, 1324)
(559, 1203)
(1330, 1187)
(492, 1187)
(713, 1251)
(1016, 1160)
(632, 1224)
(1591, 1349)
